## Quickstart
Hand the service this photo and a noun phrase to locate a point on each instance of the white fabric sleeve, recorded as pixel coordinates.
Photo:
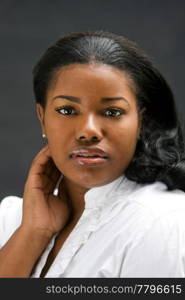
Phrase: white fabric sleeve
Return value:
(10, 217)
(160, 251)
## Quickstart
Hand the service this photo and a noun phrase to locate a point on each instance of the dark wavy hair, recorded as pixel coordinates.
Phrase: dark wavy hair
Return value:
(159, 154)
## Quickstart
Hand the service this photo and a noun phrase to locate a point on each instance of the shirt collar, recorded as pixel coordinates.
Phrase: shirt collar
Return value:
(104, 195)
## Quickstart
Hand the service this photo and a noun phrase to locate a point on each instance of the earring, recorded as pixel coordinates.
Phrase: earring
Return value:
(44, 136)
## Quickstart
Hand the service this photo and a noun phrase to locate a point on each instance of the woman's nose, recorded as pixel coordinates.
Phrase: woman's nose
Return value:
(89, 130)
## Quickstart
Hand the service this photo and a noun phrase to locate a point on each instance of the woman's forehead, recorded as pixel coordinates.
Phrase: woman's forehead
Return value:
(92, 77)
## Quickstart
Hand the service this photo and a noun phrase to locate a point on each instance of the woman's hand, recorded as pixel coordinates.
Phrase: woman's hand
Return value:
(44, 212)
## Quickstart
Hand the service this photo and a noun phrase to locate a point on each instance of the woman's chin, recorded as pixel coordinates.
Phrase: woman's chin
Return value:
(89, 182)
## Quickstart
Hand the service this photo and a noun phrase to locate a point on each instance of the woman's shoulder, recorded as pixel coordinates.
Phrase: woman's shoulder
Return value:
(10, 204)
(10, 216)
(11, 209)
(152, 215)
(155, 198)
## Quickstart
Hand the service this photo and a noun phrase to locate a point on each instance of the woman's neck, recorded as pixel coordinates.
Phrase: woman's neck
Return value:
(75, 195)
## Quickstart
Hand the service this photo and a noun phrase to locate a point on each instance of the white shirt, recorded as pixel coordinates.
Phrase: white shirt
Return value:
(126, 230)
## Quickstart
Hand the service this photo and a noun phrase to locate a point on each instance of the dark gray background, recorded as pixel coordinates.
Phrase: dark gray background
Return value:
(27, 28)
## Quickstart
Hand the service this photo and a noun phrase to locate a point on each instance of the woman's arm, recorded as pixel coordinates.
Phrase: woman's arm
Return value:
(20, 253)
(44, 215)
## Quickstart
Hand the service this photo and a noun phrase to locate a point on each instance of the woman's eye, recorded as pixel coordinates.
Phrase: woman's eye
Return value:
(66, 110)
(113, 112)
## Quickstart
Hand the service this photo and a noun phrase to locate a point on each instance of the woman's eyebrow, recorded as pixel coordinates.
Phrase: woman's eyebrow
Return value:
(76, 99)
(109, 99)
(70, 98)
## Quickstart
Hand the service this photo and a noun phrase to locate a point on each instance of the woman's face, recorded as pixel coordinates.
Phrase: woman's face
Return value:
(91, 122)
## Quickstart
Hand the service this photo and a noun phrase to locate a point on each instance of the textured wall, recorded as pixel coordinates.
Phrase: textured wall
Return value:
(28, 27)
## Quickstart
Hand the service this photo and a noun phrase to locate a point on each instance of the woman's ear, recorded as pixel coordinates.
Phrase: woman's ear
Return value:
(40, 115)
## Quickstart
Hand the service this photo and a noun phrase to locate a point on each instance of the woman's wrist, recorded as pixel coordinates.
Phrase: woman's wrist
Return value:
(36, 233)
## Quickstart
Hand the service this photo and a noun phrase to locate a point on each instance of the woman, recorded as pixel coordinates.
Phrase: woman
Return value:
(112, 131)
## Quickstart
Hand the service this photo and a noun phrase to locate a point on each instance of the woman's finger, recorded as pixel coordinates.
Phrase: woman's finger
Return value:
(40, 160)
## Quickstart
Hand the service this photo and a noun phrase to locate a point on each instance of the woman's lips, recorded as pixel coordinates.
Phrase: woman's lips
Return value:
(90, 157)
(90, 160)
